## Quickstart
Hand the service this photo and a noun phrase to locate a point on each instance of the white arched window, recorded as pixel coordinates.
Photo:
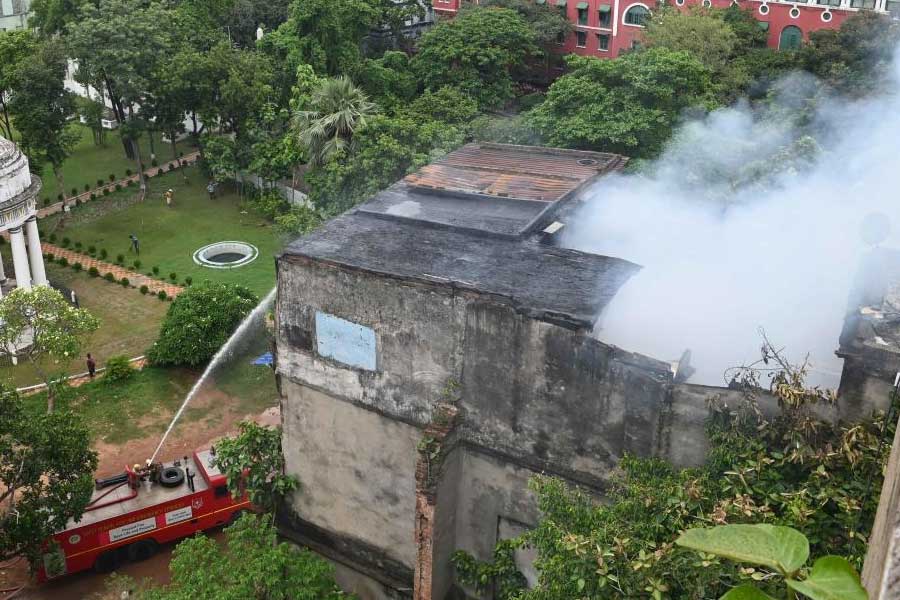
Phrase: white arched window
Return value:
(637, 15)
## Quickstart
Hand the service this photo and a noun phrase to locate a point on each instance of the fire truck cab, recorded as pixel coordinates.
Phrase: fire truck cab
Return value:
(131, 514)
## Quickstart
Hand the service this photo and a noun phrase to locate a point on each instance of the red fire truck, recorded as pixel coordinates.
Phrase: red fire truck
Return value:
(131, 514)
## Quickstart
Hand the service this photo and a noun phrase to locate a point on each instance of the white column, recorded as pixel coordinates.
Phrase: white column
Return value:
(2, 274)
(35, 254)
(20, 258)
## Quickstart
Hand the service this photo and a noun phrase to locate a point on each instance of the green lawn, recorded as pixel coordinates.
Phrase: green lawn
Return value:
(129, 323)
(89, 162)
(169, 236)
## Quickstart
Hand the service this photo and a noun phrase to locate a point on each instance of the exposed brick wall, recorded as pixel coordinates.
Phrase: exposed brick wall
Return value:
(431, 451)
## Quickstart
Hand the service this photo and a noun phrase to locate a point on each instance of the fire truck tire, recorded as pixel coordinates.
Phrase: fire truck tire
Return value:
(171, 477)
(108, 561)
(142, 550)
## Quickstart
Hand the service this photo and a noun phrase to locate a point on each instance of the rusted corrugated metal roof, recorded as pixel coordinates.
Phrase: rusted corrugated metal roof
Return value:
(526, 172)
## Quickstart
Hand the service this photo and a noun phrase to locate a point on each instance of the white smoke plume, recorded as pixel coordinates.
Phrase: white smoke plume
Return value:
(722, 259)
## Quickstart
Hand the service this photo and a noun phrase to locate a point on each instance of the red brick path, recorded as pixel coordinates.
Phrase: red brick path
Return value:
(134, 279)
(187, 159)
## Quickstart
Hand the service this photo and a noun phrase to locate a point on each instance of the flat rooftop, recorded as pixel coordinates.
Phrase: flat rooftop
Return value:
(482, 219)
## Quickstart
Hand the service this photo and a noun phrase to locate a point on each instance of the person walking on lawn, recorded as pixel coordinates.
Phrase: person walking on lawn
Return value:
(169, 195)
(135, 245)
(91, 365)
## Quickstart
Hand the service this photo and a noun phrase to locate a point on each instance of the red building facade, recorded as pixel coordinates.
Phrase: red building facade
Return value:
(604, 28)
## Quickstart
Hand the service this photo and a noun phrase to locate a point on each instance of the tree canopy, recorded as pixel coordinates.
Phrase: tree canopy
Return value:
(46, 474)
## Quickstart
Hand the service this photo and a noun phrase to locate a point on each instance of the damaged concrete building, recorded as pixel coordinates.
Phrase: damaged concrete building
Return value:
(434, 351)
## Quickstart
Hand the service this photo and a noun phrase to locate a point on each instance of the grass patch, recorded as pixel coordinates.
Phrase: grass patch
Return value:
(252, 385)
(117, 413)
(169, 236)
(89, 162)
(129, 323)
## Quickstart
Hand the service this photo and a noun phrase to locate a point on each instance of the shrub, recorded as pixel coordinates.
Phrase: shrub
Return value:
(112, 177)
(94, 272)
(188, 280)
(129, 183)
(87, 187)
(59, 197)
(118, 368)
(77, 266)
(106, 191)
(127, 172)
(118, 186)
(78, 245)
(100, 183)
(199, 321)
(137, 264)
(52, 238)
(124, 281)
(92, 249)
(110, 277)
(65, 242)
(120, 258)
(103, 253)
(162, 294)
(63, 261)
(144, 289)
(50, 257)
(173, 276)
(93, 196)
(74, 191)
(154, 163)
(156, 270)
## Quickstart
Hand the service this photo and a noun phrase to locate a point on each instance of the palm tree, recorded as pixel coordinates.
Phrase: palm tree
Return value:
(338, 110)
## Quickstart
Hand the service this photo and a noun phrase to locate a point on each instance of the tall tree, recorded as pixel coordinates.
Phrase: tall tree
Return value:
(15, 47)
(337, 110)
(476, 52)
(120, 43)
(57, 329)
(628, 105)
(251, 564)
(46, 474)
(51, 17)
(41, 107)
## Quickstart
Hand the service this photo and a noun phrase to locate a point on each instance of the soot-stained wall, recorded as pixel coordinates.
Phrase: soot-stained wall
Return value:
(532, 397)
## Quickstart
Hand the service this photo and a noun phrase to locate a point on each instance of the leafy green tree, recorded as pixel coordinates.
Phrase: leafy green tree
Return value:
(447, 104)
(338, 109)
(387, 149)
(220, 157)
(793, 470)
(476, 52)
(252, 564)
(702, 34)
(46, 474)
(548, 23)
(15, 47)
(57, 329)
(41, 107)
(92, 112)
(299, 220)
(119, 43)
(51, 17)
(388, 80)
(325, 34)
(253, 463)
(199, 321)
(628, 105)
(855, 57)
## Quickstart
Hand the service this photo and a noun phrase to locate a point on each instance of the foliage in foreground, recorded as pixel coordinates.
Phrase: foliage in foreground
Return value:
(199, 322)
(251, 564)
(793, 470)
(782, 550)
(46, 474)
(253, 463)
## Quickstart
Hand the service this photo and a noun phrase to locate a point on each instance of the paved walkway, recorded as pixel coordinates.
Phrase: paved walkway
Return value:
(135, 279)
(187, 159)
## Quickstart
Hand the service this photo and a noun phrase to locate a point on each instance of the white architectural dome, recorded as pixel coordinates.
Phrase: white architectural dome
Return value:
(14, 175)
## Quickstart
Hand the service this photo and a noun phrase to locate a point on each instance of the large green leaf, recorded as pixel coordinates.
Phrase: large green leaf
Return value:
(746, 592)
(832, 578)
(781, 548)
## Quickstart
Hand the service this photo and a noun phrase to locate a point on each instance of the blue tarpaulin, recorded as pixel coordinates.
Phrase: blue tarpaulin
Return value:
(265, 359)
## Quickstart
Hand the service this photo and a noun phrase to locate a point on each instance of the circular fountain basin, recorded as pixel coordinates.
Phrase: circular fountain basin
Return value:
(226, 255)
